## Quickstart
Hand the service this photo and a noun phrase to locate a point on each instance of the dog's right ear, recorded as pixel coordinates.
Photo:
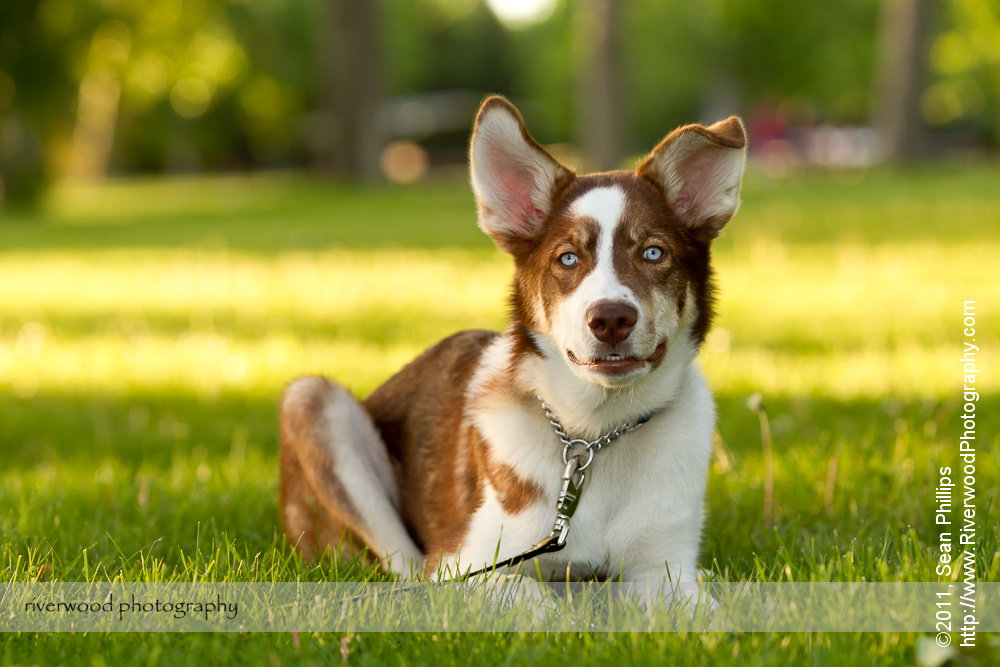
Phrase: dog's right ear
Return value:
(515, 180)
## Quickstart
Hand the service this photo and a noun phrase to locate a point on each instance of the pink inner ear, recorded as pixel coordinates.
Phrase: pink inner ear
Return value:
(535, 214)
(517, 209)
(704, 180)
(683, 202)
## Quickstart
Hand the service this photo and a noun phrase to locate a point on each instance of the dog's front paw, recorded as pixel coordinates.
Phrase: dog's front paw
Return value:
(672, 604)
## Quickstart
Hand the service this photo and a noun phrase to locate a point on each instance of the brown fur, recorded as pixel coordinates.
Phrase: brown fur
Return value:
(515, 493)
(434, 450)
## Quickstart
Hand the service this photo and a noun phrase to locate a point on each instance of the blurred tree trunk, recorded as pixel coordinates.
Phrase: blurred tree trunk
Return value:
(94, 131)
(904, 35)
(600, 99)
(352, 89)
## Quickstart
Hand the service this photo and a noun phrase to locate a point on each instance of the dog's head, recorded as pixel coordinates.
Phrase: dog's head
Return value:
(612, 269)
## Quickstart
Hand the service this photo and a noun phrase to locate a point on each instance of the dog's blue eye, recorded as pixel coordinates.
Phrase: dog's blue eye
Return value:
(653, 254)
(568, 259)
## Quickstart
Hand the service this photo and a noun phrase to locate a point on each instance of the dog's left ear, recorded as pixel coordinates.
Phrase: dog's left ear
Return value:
(514, 178)
(700, 170)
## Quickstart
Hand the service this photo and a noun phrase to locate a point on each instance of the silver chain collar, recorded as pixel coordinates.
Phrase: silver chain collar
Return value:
(573, 475)
(575, 447)
(571, 490)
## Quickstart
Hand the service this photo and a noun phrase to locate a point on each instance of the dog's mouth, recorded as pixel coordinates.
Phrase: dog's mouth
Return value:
(614, 363)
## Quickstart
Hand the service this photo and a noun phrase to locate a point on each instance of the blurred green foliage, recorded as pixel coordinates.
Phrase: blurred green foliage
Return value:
(965, 60)
(232, 84)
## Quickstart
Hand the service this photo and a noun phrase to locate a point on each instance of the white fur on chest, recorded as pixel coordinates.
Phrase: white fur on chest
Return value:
(642, 505)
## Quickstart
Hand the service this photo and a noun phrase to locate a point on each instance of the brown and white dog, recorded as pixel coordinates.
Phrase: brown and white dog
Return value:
(612, 298)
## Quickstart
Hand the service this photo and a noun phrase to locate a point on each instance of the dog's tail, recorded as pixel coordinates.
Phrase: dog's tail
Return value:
(337, 485)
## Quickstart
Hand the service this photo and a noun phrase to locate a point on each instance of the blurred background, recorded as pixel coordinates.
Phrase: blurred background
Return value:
(386, 90)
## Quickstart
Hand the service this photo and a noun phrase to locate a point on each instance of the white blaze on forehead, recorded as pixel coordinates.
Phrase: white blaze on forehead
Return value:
(606, 206)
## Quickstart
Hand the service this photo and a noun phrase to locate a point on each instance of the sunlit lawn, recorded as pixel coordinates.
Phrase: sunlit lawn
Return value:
(147, 329)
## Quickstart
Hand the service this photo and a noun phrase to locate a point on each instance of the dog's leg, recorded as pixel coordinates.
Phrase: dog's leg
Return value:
(336, 479)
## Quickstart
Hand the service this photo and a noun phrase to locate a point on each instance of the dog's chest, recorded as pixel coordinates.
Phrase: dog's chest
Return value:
(633, 486)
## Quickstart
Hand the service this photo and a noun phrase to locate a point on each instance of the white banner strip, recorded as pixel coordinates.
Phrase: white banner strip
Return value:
(499, 607)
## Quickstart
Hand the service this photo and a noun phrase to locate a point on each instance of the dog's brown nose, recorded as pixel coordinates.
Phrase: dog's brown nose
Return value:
(611, 321)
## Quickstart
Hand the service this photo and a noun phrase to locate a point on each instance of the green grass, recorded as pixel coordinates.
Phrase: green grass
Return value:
(147, 329)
